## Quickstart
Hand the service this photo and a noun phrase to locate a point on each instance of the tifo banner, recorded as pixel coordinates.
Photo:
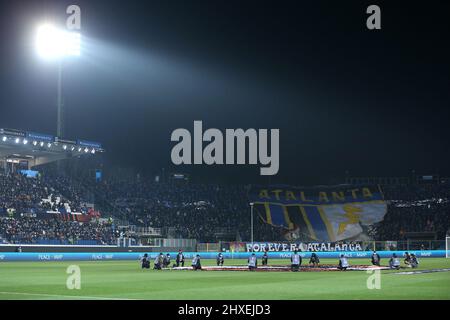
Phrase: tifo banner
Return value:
(301, 246)
(325, 213)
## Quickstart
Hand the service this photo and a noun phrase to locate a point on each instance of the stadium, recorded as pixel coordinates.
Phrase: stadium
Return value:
(54, 216)
(333, 183)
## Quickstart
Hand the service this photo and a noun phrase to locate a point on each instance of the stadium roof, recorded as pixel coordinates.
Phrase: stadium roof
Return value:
(39, 148)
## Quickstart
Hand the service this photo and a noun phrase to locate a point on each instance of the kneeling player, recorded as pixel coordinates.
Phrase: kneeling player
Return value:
(376, 259)
(145, 262)
(265, 258)
(314, 260)
(343, 263)
(296, 261)
(166, 261)
(252, 262)
(414, 261)
(158, 261)
(394, 262)
(180, 259)
(407, 260)
(196, 265)
(220, 259)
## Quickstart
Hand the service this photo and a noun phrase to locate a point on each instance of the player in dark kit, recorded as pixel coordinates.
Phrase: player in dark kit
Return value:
(376, 259)
(314, 260)
(265, 258)
(407, 260)
(145, 262)
(220, 259)
(180, 259)
(414, 261)
(166, 261)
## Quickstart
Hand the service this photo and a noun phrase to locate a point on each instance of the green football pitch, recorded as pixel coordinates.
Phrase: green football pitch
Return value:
(126, 280)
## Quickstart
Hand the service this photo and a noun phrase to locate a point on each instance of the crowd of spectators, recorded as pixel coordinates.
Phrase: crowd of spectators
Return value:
(414, 208)
(196, 211)
(38, 195)
(20, 193)
(33, 230)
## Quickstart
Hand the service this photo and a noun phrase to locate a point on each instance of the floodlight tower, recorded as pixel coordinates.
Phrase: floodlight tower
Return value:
(55, 44)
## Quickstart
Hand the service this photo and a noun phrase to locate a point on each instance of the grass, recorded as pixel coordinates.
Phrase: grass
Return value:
(126, 280)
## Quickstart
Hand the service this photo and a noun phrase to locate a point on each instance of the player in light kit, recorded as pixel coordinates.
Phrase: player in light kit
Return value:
(343, 263)
(296, 261)
(196, 265)
(394, 262)
(252, 262)
(158, 261)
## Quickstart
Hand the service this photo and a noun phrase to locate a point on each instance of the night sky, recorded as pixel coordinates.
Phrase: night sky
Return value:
(373, 103)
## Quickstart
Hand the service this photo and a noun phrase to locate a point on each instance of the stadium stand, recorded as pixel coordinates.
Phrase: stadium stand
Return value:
(32, 210)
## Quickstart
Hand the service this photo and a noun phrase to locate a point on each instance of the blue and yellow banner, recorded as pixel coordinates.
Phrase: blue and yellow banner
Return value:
(325, 213)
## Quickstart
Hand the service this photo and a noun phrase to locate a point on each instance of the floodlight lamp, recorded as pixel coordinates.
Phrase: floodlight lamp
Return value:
(53, 43)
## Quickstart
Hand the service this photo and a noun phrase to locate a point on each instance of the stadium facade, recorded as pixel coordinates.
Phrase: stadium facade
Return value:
(26, 149)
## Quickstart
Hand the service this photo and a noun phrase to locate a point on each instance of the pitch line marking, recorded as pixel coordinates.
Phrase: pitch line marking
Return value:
(423, 271)
(62, 296)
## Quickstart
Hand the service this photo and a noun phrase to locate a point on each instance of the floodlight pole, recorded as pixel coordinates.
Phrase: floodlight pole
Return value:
(60, 115)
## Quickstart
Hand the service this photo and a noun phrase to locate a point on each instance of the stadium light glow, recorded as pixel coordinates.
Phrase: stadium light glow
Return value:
(4, 139)
(55, 43)
(17, 140)
(49, 145)
(41, 144)
(64, 147)
(25, 141)
(34, 143)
